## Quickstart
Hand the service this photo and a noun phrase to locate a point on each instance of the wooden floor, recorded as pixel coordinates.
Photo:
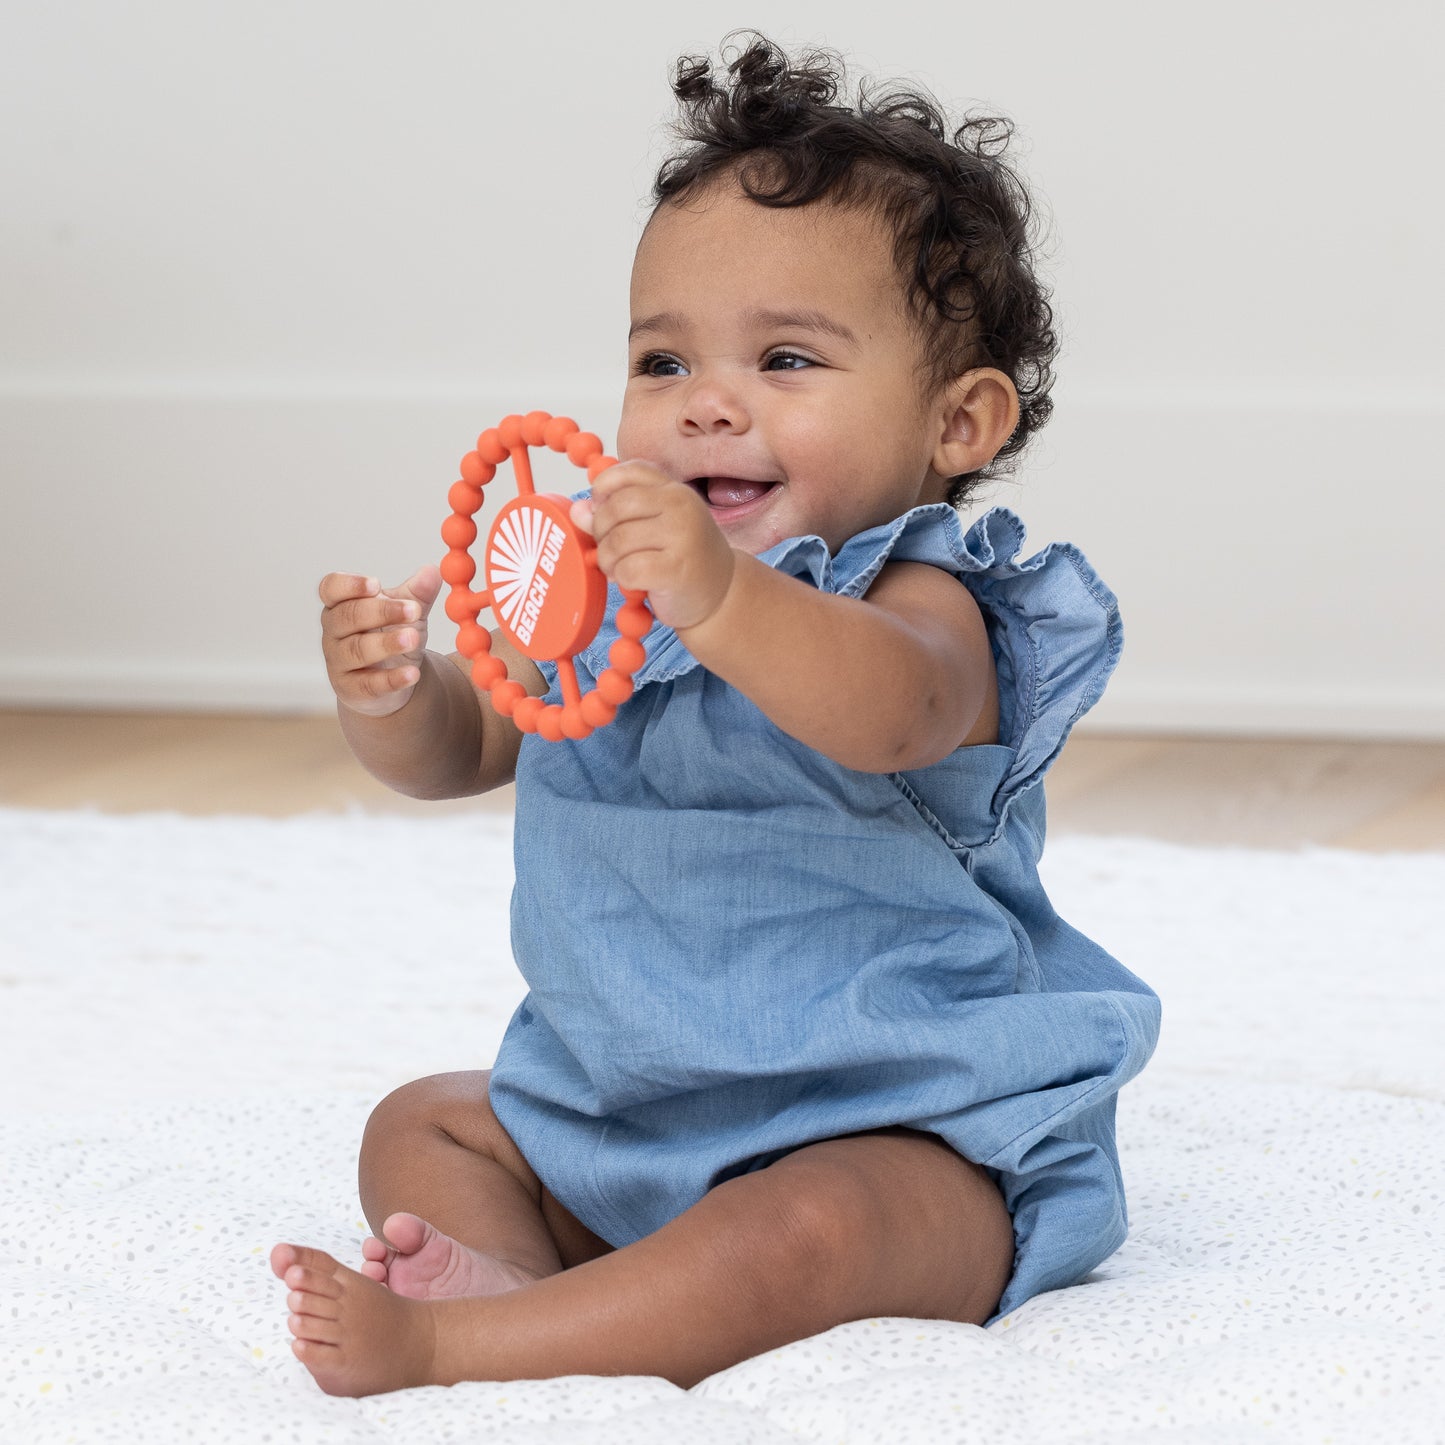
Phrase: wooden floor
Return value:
(1266, 793)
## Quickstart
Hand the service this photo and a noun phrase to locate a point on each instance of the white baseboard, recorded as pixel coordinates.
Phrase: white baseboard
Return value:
(1265, 712)
(190, 688)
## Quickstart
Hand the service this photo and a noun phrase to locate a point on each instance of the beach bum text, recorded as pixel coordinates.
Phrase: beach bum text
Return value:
(552, 544)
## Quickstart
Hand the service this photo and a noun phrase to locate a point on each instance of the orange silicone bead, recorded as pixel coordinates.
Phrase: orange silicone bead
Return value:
(459, 532)
(598, 465)
(473, 640)
(556, 432)
(490, 448)
(465, 498)
(526, 712)
(488, 670)
(509, 430)
(582, 447)
(458, 568)
(626, 654)
(475, 472)
(597, 711)
(633, 619)
(506, 695)
(614, 687)
(574, 725)
(534, 428)
(549, 723)
(463, 604)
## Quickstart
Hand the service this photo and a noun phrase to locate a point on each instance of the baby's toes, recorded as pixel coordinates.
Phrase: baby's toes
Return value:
(315, 1259)
(304, 1279)
(283, 1256)
(301, 1301)
(286, 1257)
(313, 1329)
(376, 1257)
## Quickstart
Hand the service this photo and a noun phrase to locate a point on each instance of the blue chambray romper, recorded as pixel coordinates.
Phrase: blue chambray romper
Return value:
(735, 946)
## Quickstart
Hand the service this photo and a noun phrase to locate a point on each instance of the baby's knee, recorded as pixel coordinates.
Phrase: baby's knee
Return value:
(803, 1222)
(901, 1219)
(456, 1106)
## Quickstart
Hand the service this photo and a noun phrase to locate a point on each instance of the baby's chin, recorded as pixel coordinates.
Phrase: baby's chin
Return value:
(758, 542)
(754, 534)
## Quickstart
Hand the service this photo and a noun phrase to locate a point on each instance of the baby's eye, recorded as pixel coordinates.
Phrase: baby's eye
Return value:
(790, 360)
(655, 363)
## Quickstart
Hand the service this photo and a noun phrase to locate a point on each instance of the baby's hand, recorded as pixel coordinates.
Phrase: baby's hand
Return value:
(372, 640)
(656, 535)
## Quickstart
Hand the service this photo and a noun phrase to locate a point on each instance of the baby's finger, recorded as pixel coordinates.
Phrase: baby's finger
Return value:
(368, 614)
(626, 547)
(378, 647)
(423, 585)
(630, 503)
(582, 515)
(372, 683)
(627, 474)
(344, 586)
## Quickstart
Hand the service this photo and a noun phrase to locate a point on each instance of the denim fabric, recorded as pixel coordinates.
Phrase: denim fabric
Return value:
(735, 946)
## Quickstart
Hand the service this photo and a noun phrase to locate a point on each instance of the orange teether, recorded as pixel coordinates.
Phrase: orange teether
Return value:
(543, 583)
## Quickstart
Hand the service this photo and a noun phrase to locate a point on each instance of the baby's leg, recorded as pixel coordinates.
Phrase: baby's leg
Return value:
(455, 1206)
(892, 1222)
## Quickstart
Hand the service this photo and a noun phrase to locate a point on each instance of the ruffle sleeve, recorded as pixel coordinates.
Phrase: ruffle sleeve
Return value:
(1053, 624)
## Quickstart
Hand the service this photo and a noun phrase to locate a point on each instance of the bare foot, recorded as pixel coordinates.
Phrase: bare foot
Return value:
(416, 1260)
(356, 1337)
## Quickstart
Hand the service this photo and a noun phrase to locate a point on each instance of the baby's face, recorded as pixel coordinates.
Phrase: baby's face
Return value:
(772, 366)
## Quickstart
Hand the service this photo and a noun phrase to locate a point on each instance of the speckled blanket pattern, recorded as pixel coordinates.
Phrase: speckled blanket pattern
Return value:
(200, 1013)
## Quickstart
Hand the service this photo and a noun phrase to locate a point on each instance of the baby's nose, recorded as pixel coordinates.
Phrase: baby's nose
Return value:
(711, 407)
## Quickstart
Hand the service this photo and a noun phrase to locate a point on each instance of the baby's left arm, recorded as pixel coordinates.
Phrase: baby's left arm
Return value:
(894, 681)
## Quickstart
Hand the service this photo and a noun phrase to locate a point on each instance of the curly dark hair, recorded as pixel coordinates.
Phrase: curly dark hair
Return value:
(962, 217)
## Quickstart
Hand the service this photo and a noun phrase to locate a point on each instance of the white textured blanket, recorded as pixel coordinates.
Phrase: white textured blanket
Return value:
(198, 1014)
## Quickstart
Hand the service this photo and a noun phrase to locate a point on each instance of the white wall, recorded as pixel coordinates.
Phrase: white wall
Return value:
(268, 268)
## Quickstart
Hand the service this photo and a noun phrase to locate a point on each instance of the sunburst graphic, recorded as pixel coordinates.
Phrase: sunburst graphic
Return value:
(518, 542)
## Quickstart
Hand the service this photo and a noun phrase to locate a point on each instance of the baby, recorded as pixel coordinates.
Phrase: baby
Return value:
(805, 1041)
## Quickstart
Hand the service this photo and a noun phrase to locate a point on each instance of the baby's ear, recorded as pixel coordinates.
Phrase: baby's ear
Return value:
(977, 414)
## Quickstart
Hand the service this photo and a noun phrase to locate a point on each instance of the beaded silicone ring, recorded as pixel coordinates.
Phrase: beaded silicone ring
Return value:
(543, 582)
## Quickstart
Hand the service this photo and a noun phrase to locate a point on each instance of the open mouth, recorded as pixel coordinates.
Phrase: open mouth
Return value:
(725, 494)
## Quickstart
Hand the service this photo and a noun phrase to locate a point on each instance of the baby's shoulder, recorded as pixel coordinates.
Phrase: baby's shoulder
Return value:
(926, 593)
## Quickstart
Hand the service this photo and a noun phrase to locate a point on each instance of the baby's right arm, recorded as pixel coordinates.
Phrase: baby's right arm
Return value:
(412, 717)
